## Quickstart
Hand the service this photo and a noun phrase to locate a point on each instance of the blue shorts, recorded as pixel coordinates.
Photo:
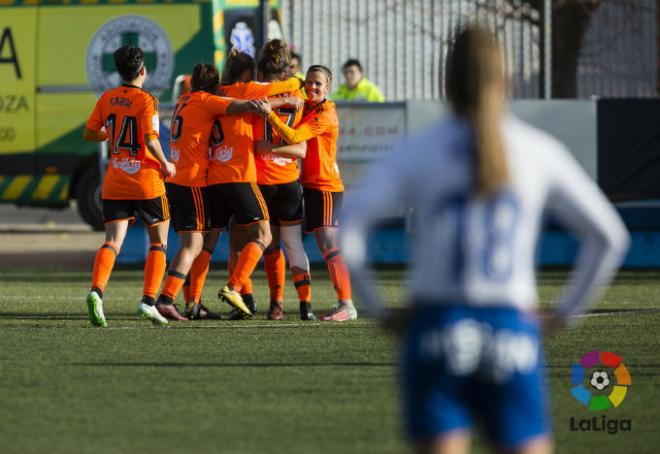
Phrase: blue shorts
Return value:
(463, 365)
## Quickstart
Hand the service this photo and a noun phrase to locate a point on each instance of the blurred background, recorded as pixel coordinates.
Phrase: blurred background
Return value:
(585, 70)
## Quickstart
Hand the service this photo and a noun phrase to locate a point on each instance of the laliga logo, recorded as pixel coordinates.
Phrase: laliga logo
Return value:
(607, 380)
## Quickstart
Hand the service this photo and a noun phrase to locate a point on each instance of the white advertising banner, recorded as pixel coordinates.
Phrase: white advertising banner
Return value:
(366, 130)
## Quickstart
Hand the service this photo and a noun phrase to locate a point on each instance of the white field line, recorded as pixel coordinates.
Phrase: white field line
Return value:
(194, 327)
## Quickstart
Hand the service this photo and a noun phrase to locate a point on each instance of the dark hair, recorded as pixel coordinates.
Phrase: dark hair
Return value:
(274, 57)
(295, 55)
(205, 77)
(322, 69)
(236, 64)
(352, 62)
(129, 60)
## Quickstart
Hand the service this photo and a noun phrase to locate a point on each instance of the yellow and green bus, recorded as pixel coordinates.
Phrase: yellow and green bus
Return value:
(56, 58)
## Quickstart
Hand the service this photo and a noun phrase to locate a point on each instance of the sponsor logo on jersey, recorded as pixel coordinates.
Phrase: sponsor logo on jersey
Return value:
(128, 29)
(222, 153)
(175, 155)
(126, 165)
(279, 160)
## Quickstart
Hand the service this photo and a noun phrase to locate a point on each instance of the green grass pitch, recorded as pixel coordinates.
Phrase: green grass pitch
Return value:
(266, 387)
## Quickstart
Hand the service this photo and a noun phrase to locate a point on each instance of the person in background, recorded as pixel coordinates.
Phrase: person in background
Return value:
(294, 68)
(479, 183)
(357, 87)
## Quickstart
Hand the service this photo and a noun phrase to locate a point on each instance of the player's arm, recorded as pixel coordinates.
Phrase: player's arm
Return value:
(293, 151)
(240, 107)
(284, 86)
(95, 136)
(94, 131)
(151, 123)
(153, 145)
(286, 101)
(302, 133)
(578, 204)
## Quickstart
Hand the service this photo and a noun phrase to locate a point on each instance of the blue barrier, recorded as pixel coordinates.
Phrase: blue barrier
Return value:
(390, 246)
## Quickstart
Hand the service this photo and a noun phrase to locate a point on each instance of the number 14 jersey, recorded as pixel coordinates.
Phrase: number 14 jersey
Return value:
(128, 113)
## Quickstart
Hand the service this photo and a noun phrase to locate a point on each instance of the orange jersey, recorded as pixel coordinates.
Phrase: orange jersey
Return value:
(320, 128)
(128, 113)
(273, 169)
(192, 123)
(232, 157)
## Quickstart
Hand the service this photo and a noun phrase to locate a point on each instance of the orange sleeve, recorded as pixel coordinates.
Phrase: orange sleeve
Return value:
(315, 126)
(219, 104)
(149, 121)
(284, 86)
(96, 121)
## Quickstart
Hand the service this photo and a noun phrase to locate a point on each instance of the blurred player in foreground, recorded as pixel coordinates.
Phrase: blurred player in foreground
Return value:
(323, 190)
(479, 183)
(127, 117)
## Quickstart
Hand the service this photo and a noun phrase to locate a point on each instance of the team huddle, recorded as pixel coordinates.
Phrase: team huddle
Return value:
(235, 145)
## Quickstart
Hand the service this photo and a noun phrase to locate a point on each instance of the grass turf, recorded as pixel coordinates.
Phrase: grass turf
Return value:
(258, 386)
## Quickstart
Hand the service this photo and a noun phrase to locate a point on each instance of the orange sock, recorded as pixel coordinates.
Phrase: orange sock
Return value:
(103, 264)
(231, 264)
(303, 286)
(173, 284)
(247, 261)
(339, 274)
(247, 287)
(198, 272)
(275, 265)
(154, 269)
(185, 290)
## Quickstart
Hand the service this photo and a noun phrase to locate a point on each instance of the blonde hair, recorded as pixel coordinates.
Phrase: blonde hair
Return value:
(475, 89)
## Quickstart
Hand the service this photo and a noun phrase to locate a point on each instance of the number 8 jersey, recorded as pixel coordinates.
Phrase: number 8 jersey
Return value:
(129, 114)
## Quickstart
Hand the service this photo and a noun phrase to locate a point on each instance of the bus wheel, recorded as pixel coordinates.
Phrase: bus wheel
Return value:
(88, 198)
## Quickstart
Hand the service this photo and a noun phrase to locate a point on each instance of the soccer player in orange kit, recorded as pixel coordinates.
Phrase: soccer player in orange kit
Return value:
(127, 117)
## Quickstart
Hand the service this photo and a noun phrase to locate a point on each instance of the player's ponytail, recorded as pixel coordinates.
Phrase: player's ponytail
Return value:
(236, 64)
(475, 89)
(274, 58)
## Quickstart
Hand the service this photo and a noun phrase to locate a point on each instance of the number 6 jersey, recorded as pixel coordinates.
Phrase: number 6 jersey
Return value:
(129, 114)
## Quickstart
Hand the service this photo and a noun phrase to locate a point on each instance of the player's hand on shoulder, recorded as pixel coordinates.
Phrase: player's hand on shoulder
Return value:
(261, 106)
(295, 102)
